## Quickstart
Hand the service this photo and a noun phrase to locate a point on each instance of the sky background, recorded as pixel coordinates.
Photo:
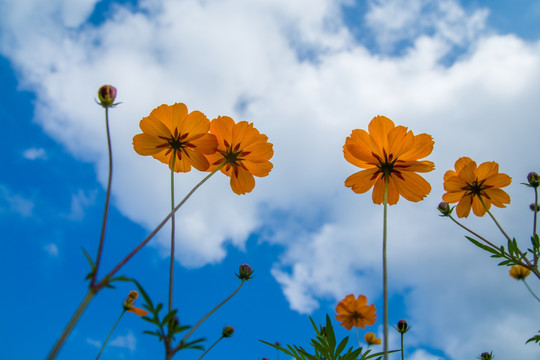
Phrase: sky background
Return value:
(306, 73)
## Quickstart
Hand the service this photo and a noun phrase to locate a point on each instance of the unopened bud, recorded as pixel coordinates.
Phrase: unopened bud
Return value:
(533, 179)
(444, 208)
(106, 95)
(402, 326)
(486, 356)
(533, 207)
(227, 331)
(245, 272)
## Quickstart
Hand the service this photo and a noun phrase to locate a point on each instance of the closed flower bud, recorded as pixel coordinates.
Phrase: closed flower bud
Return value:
(106, 95)
(533, 179)
(533, 207)
(245, 272)
(486, 356)
(444, 208)
(402, 326)
(227, 331)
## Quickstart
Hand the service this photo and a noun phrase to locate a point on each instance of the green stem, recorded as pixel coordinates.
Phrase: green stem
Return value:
(210, 348)
(495, 220)
(357, 336)
(171, 269)
(534, 223)
(472, 232)
(212, 311)
(530, 290)
(109, 336)
(385, 270)
(153, 233)
(74, 319)
(107, 199)
(402, 353)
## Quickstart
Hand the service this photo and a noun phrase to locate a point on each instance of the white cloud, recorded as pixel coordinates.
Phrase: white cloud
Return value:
(95, 343)
(51, 249)
(127, 341)
(294, 70)
(11, 202)
(79, 202)
(35, 153)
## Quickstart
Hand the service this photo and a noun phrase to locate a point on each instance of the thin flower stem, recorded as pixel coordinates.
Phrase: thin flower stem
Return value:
(402, 353)
(385, 270)
(530, 290)
(171, 269)
(210, 348)
(495, 220)
(212, 311)
(357, 336)
(107, 199)
(74, 319)
(534, 223)
(109, 336)
(102, 283)
(472, 232)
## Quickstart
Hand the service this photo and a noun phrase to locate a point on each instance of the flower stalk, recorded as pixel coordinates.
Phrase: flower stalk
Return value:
(385, 270)
(171, 268)
(110, 334)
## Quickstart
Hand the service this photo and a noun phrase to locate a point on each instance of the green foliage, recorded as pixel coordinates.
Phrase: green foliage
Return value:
(168, 327)
(325, 347)
(535, 338)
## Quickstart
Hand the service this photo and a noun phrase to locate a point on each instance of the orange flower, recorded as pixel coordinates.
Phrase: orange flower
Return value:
(245, 151)
(372, 339)
(469, 185)
(168, 130)
(392, 152)
(519, 272)
(355, 312)
(128, 304)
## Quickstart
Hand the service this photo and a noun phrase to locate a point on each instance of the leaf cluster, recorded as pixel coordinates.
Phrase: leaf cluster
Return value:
(325, 346)
(168, 327)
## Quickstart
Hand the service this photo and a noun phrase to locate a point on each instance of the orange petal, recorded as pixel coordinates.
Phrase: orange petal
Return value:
(138, 311)
(242, 181)
(412, 187)
(486, 170)
(145, 144)
(463, 208)
(362, 181)
(194, 124)
(423, 146)
(379, 127)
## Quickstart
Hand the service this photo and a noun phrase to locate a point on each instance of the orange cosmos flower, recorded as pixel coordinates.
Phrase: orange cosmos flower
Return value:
(168, 130)
(372, 339)
(355, 312)
(392, 152)
(245, 151)
(128, 304)
(469, 185)
(519, 272)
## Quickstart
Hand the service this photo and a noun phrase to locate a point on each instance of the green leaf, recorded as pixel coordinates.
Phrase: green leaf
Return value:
(88, 258)
(342, 345)
(535, 240)
(484, 247)
(147, 300)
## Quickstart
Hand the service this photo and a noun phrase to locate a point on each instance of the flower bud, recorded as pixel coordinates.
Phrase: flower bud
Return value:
(106, 95)
(402, 326)
(444, 208)
(486, 356)
(533, 179)
(227, 331)
(519, 272)
(533, 207)
(245, 272)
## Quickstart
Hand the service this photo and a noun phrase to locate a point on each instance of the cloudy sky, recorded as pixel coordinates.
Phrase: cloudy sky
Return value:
(306, 73)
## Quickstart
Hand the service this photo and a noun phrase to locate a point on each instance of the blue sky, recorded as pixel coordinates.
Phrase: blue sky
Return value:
(305, 73)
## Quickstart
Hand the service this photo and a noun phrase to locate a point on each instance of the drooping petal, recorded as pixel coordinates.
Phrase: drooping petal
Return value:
(463, 208)
(412, 186)
(362, 181)
(478, 208)
(242, 181)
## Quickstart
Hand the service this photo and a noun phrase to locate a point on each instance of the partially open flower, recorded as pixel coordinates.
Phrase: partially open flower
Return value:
(372, 339)
(519, 272)
(128, 304)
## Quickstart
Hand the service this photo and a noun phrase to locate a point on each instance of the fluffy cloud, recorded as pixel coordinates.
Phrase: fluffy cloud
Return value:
(298, 73)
